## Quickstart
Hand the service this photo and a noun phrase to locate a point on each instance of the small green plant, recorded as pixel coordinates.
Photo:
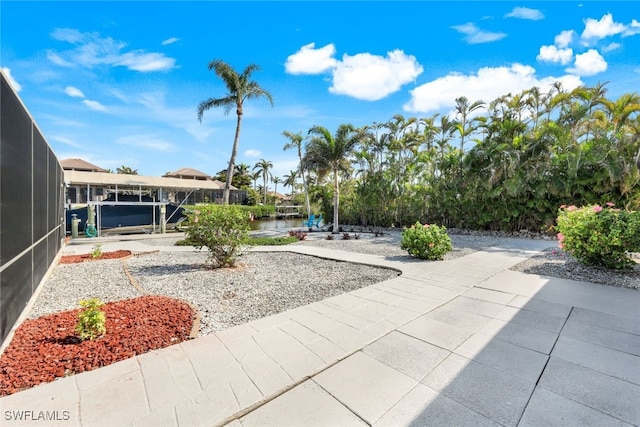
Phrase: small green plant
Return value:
(92, 320)
(426, 241)
(599, 235)
(221, 229)
(96, 251)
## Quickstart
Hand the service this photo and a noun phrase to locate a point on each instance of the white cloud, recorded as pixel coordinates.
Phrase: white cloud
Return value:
(14, 84)
(144, 62)
(309, 60)
(486, 85)
(564, 39)
(632, 29)
(170, 40)
(605, 27)
(474, 35)
(372, 77)
(553, 54)
(74, 92)
(252, 153)
(90, 50)
(66, 141)
(146, 141)
(525, 13)
(94, 105)
(610, 47)
(588, 64)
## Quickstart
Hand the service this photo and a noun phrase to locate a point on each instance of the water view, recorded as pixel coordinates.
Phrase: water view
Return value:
(276, 224)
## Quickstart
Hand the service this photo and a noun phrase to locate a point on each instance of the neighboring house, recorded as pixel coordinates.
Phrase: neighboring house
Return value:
(87, 182)
(79, 194)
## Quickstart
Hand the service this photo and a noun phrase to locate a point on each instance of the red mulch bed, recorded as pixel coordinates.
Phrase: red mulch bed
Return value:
(47, 348)
(72, 259)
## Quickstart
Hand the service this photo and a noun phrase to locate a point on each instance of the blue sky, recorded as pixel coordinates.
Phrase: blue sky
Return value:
(118, 83)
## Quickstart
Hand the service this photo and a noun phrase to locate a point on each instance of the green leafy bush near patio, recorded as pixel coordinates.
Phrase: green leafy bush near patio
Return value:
(428, 241)
(221, 229)
(599, 235)
(92, 320)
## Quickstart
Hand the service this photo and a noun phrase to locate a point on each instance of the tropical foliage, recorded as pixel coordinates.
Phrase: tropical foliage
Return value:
(503, 165)
(428, 241)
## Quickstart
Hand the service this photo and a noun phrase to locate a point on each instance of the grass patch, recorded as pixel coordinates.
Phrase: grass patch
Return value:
(253, 241)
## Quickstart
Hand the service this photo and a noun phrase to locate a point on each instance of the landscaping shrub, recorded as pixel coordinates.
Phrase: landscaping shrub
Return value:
(92, 320)
(599, 235)
(426, 241)
(298, 234)
(221, 229)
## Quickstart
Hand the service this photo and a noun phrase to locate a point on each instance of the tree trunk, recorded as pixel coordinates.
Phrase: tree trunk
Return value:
(336, 200)
(232, 160)
(304, 184)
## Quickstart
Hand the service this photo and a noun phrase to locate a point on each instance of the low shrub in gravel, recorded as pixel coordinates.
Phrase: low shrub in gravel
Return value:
(427, 241)
(221, 229)
(599, 235)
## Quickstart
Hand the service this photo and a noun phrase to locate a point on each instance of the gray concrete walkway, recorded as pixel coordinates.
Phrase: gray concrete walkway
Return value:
(465, 342)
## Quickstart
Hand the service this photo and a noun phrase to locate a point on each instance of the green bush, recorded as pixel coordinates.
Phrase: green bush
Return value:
(426, 241)
(221, 229)
(92, 320)
(597, 235)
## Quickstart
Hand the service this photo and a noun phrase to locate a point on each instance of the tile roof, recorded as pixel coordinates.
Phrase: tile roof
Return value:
(80, 165)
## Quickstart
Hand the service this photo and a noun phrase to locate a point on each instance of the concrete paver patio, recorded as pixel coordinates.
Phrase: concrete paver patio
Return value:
(459, 342)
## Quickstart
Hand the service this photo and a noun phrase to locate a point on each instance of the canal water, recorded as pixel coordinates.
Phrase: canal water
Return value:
(276, 224)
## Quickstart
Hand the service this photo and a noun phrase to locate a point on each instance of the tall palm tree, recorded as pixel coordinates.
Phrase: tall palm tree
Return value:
(463, 110)
(254, 177)
(240, 87)
(326, 152)
(276, 180)
(295, 141)
(290, 180)
(263, 167)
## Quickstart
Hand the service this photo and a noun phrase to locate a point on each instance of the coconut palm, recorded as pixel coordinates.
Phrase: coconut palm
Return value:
(296, 142)
(290, 180)
(240, 87)
(276, 180)
(263, 167)
(328, 153)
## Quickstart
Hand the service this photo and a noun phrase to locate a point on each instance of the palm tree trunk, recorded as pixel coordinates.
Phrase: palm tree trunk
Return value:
(336, 200)
(304, 184)
(232, 160)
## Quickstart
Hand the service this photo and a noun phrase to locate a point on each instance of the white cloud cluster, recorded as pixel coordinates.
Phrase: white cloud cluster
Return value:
(170, 40)
(151, 142)
(252, 153)
(93, 50)
(73, 92)
(591, 61)
(487, 84)
(14, 84)
(474, 35)
(525, 13)
(363, 76)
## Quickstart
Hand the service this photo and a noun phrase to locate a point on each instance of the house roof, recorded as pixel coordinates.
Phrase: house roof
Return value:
(168, 183)
(188, 173)
(80, 165)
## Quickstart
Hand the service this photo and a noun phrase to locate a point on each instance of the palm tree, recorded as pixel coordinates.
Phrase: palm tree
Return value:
(463, 109)
(296, 142)
(240, 88)
(254, 177)
(276, 180)
(126, 170)
(326, 152)
(263, 167)
(290, 180)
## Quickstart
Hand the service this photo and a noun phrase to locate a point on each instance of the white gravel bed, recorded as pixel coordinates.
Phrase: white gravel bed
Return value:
(70, 283)
(556, 263)
(262, 284)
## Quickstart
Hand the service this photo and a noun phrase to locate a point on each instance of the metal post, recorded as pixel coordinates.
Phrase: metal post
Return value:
(163, 221)
(74, 226)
